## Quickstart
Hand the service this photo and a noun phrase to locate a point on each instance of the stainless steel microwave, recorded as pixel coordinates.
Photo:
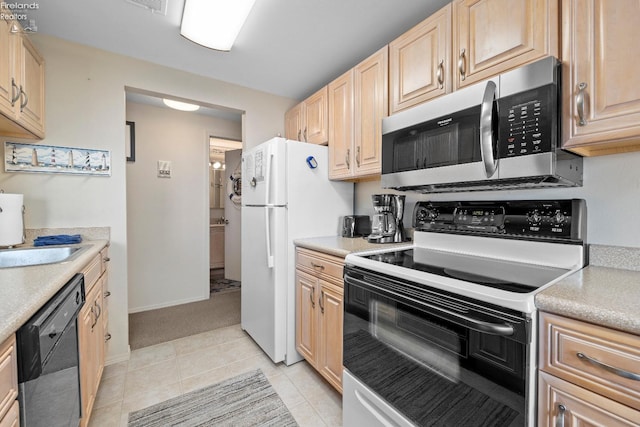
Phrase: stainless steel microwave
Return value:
(502, 133)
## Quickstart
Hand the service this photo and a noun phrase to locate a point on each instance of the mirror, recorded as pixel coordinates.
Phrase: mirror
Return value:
(216, 192)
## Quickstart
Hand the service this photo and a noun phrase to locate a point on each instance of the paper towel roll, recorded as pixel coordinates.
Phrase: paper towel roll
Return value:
(11, 225)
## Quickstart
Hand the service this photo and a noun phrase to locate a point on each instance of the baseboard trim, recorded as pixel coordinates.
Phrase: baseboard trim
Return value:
(167, 304)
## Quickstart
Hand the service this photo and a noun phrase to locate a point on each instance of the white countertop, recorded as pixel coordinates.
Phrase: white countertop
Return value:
(23, 290)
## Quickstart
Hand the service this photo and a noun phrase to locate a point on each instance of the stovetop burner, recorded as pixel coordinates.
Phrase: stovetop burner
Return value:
(505, 275)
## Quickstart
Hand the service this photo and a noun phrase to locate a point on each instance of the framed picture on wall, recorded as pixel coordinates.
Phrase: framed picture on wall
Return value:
(130, 141)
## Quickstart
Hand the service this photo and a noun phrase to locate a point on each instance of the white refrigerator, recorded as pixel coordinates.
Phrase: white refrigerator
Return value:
(286, 195)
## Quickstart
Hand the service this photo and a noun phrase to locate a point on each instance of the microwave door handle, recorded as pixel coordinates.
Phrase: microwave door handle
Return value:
(487, 139)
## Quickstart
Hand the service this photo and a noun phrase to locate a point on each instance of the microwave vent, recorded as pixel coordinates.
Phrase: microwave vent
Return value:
(155, 6)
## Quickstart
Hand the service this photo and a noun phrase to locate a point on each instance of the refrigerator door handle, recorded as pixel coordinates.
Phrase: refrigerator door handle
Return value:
(267, 179)
(267, 228)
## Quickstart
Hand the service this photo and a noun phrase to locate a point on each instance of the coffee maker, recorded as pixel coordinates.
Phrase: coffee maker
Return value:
(387, 224)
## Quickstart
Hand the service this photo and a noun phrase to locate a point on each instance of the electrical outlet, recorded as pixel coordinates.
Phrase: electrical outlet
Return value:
(164, 169)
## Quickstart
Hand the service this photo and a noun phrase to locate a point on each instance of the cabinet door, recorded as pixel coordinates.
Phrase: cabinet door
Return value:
(32, 82)
(8, 375)
(420, 62)
(7, 52)
(492, 36)
(216, 247)
(316, 109)
(306, 330)
(341, 126)
(98, 332)
(561, 403)
(88, 358)
(600, 71)
(330, 326)
(12, 419)
(371, 88)
(293, 123)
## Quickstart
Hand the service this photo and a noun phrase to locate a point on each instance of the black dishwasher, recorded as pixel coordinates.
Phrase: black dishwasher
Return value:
(48, 375)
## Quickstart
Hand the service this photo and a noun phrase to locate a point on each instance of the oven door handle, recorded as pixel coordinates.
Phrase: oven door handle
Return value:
(503, 329)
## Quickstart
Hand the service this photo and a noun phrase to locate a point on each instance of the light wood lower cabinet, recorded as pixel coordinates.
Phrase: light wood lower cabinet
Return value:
(319, 305)
(9, 413)
(589, 375)
(93, 332)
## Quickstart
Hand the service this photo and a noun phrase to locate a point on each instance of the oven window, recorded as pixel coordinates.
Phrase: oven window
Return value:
(435, 371)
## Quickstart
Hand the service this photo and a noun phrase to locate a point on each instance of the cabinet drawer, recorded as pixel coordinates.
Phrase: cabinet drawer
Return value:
(92, 272)
(599, 359)
(320, 263)
(8, 375)
(566, 404)
(12, 419)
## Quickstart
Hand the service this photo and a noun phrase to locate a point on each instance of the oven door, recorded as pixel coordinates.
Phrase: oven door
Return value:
(437, 358)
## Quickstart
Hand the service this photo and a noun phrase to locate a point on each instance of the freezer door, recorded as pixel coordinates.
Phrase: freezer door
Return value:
(264, 174)
(264, 278)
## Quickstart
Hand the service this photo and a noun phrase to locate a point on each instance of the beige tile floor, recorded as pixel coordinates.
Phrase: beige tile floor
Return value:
(160, 372)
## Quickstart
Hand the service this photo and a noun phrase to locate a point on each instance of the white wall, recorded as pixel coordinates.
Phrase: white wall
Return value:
(85, 107)
(168, 218)
(232, 264)
(611, 189)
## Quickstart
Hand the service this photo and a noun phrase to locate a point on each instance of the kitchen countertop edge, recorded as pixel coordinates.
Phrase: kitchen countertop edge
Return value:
(25, 290)
(603, 296)
(342, 246)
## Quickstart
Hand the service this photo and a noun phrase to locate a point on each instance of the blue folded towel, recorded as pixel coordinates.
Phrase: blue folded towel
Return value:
(59, 239)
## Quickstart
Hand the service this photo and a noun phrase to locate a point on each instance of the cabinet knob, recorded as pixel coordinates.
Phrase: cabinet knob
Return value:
(106, 259)
(346, 158)
(462, 66)
(107, 337)
(358, 156)
(311, 296)
(25, 99)
(320, 301)
(580, 104)
(560, 418)
(440, 74)
(15, 92)
(107, 294)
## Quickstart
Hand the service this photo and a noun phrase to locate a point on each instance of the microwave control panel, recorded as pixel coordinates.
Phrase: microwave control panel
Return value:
(527, 122)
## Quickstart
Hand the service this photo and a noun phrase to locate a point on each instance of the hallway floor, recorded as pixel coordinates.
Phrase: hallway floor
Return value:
(157, 373)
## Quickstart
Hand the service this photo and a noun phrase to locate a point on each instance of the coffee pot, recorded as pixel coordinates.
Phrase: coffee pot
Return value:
(387, 225)
(383, 223)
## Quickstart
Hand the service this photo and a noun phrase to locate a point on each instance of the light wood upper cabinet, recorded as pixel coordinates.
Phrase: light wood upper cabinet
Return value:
(341, 127)
(316, 127)
(357, 103)
(7, 47)
(370, 85)
(308, 121)
(293, 123)
(22, 103)
(601, 77)
(493, 36)
(31, 75)
(420, 62)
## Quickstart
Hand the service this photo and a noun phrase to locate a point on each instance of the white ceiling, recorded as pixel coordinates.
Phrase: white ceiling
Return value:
(287, 47)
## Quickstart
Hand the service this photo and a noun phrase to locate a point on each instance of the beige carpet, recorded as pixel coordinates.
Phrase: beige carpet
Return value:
(166, 324)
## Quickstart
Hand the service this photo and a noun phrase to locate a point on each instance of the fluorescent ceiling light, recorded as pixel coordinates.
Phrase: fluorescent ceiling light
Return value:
(182, 106)
(214, 23)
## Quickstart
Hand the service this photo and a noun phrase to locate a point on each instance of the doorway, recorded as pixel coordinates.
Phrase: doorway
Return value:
(167, 215)
(225, 157)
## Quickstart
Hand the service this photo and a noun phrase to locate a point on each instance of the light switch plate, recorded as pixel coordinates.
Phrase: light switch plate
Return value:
(164, 169)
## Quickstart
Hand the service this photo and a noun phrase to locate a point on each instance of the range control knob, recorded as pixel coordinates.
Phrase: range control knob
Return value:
(426, 214)
(559, 217)
(534, 217)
